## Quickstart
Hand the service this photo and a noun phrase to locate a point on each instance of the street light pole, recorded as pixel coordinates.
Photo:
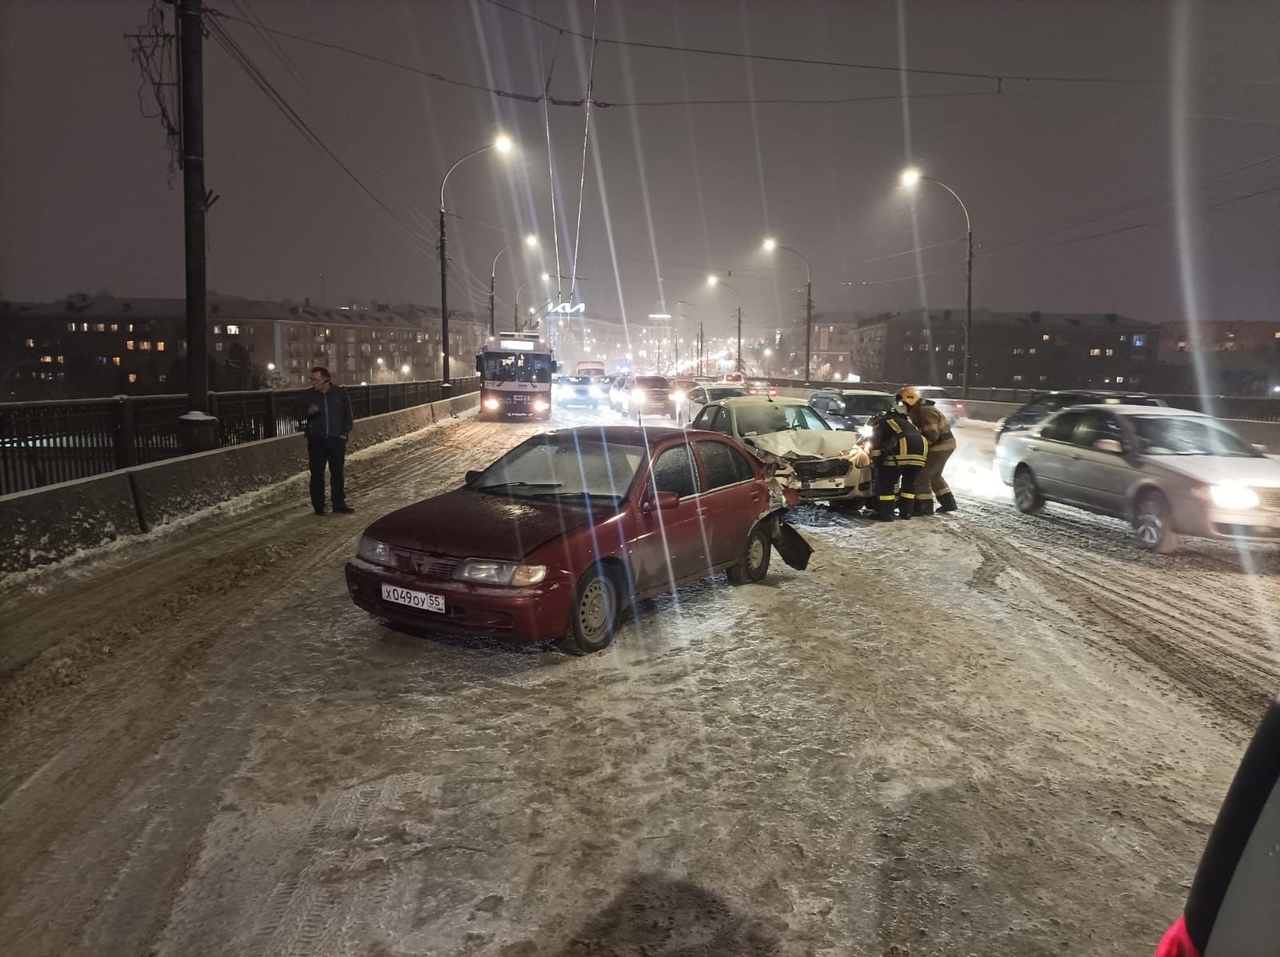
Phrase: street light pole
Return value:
(502, 144)
(770, 245)
(909, 179)
(531, 241)
(717, 281)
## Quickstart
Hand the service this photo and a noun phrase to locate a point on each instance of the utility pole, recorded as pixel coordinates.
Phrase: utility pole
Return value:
(968, 304)
(198, 425)
(808, 328)
(740, 338)
(493, 322)
(444, 299)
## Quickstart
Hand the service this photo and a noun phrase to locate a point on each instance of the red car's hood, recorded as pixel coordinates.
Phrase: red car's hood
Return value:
(470, 524)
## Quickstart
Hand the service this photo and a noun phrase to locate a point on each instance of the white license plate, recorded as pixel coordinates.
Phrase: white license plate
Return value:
(414, 599)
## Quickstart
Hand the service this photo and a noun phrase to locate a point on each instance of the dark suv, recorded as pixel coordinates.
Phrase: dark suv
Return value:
(1045, 405)
(849, 409)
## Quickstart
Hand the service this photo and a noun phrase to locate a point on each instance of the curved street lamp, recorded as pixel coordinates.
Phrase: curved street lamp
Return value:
(532, 242)
(502, 144)
(769, 246)
(910, 178)
(714, 280)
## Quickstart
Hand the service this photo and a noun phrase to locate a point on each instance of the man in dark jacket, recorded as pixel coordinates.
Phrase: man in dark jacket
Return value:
(327, 412)
(899, 451)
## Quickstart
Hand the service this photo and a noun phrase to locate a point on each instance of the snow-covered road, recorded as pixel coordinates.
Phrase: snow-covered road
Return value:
(982, 733)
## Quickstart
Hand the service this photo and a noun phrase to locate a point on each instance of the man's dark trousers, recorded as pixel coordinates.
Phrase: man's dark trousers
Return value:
(331, 451)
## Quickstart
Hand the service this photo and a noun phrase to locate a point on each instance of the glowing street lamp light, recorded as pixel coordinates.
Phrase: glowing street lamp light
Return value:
(770, 245)
(503, 144)
(910, 178)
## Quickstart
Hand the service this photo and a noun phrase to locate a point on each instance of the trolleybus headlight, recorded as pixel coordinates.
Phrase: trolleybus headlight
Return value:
(491, 404)
(540, 405)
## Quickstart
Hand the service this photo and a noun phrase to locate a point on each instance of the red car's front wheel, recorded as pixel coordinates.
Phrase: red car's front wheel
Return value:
(593, 618)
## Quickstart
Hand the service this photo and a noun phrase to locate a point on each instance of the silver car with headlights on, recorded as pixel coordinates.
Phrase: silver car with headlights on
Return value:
(1169, 472)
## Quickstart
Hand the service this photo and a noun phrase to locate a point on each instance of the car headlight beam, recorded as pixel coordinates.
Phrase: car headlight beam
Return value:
(493, 572)
(1233, 497)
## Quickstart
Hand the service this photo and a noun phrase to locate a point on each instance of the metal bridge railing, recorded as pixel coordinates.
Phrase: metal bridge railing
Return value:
(42, 443)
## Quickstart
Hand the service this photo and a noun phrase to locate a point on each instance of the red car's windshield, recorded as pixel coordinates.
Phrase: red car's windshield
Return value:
(563, 465)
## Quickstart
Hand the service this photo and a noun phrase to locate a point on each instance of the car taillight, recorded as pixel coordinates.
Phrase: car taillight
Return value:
(1176, 942)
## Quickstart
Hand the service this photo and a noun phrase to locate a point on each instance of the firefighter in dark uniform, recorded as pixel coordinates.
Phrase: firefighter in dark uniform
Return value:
(899, 451)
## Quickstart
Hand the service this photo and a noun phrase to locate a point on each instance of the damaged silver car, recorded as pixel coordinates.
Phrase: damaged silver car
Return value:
(812, 461)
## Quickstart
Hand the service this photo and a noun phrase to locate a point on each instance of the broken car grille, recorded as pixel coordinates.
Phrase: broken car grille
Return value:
(827, 468)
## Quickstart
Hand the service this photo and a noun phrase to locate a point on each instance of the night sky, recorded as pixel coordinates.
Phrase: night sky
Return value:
(1077, 190)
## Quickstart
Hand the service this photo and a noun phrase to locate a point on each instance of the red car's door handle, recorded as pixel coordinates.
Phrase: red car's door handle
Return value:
(703, 512)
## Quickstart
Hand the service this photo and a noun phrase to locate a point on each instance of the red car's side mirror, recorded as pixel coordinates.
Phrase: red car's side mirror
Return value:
(661, 502)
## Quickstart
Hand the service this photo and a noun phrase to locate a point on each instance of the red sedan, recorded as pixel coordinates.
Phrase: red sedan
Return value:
(552, 540)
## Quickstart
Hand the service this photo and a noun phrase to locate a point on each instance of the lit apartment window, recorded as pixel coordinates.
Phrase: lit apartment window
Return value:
(950, 376)
(233, 330)
(1278, 335)
(217, 347)
(129, 344)
(908, 348)
(1119, 380)
(99, 327)
(1182, 343)
(1044, 379)
(1017, 378)
(84, 327)
(133, 377)
(46, 358)
(115, 327)
(1139, 341)
(1095, 352)
(115, 360)
(1032, 350)
(217, 330)
(1110, 352)
(1124, 338)
(61, 359)
(71, 327)
(1045, 337)
(159, 347)
(164, 378)
(130, 329)
(1019, 351)
(31, 343)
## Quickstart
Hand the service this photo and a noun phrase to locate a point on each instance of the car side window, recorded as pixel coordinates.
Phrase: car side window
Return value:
(719, 421)
(674, 471)
(704, 418)
(820, 402)
(724, 465)
(1092, 426)
(699, 396)
(1062, 427)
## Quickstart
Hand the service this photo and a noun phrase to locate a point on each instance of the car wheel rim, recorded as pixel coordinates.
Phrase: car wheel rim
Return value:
(1150, 523)
(1024, 491)
(593, 609)
(755, 553)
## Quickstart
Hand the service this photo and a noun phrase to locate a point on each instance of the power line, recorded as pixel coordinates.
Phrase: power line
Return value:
(241, 59)
(876, 67)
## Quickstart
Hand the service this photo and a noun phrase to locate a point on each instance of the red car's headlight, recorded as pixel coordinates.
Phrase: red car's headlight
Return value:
(372, 550)
(500, 573)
